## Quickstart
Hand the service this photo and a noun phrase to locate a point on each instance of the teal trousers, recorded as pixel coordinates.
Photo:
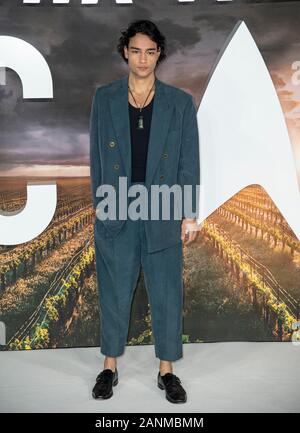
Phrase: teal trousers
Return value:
(118, 262)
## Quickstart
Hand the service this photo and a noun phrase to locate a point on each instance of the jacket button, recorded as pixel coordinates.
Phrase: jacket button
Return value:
(112, 143)
(162, 177)
(164, 155)
(116, 166)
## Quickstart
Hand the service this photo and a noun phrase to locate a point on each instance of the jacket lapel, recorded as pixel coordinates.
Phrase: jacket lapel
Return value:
(161, 116)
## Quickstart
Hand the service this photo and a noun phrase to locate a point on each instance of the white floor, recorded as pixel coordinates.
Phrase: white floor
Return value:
(218, 377)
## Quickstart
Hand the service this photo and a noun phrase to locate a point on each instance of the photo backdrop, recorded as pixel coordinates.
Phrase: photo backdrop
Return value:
(241, 275)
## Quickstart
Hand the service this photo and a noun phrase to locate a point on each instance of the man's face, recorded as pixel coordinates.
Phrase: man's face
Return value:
(142, 52)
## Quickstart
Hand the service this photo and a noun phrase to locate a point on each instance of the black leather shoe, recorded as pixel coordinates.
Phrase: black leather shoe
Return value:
(171, 383)
(104, 383)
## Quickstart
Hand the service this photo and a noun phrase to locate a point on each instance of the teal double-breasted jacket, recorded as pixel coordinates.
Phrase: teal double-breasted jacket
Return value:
(173, 151)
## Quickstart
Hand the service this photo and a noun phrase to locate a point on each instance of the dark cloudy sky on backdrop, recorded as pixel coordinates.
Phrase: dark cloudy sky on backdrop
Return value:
(79, 44)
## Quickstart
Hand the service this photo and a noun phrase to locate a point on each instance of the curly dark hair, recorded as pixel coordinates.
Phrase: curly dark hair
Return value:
(147, 28)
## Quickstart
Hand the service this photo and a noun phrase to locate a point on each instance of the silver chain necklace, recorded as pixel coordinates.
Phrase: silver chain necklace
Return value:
(140, 124)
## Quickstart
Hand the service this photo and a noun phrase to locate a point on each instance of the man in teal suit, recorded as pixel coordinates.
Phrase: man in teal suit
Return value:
(145, 131)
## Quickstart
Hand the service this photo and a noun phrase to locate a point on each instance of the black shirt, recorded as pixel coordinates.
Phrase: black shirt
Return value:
(139, 141)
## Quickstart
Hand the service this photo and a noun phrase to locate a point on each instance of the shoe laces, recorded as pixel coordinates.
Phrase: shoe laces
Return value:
(171, 380)
(105, 376)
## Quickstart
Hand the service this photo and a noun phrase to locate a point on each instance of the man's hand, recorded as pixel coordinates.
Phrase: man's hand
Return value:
(189, 230)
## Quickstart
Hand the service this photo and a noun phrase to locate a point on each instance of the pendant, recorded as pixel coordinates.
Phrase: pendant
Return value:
(141, 122)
